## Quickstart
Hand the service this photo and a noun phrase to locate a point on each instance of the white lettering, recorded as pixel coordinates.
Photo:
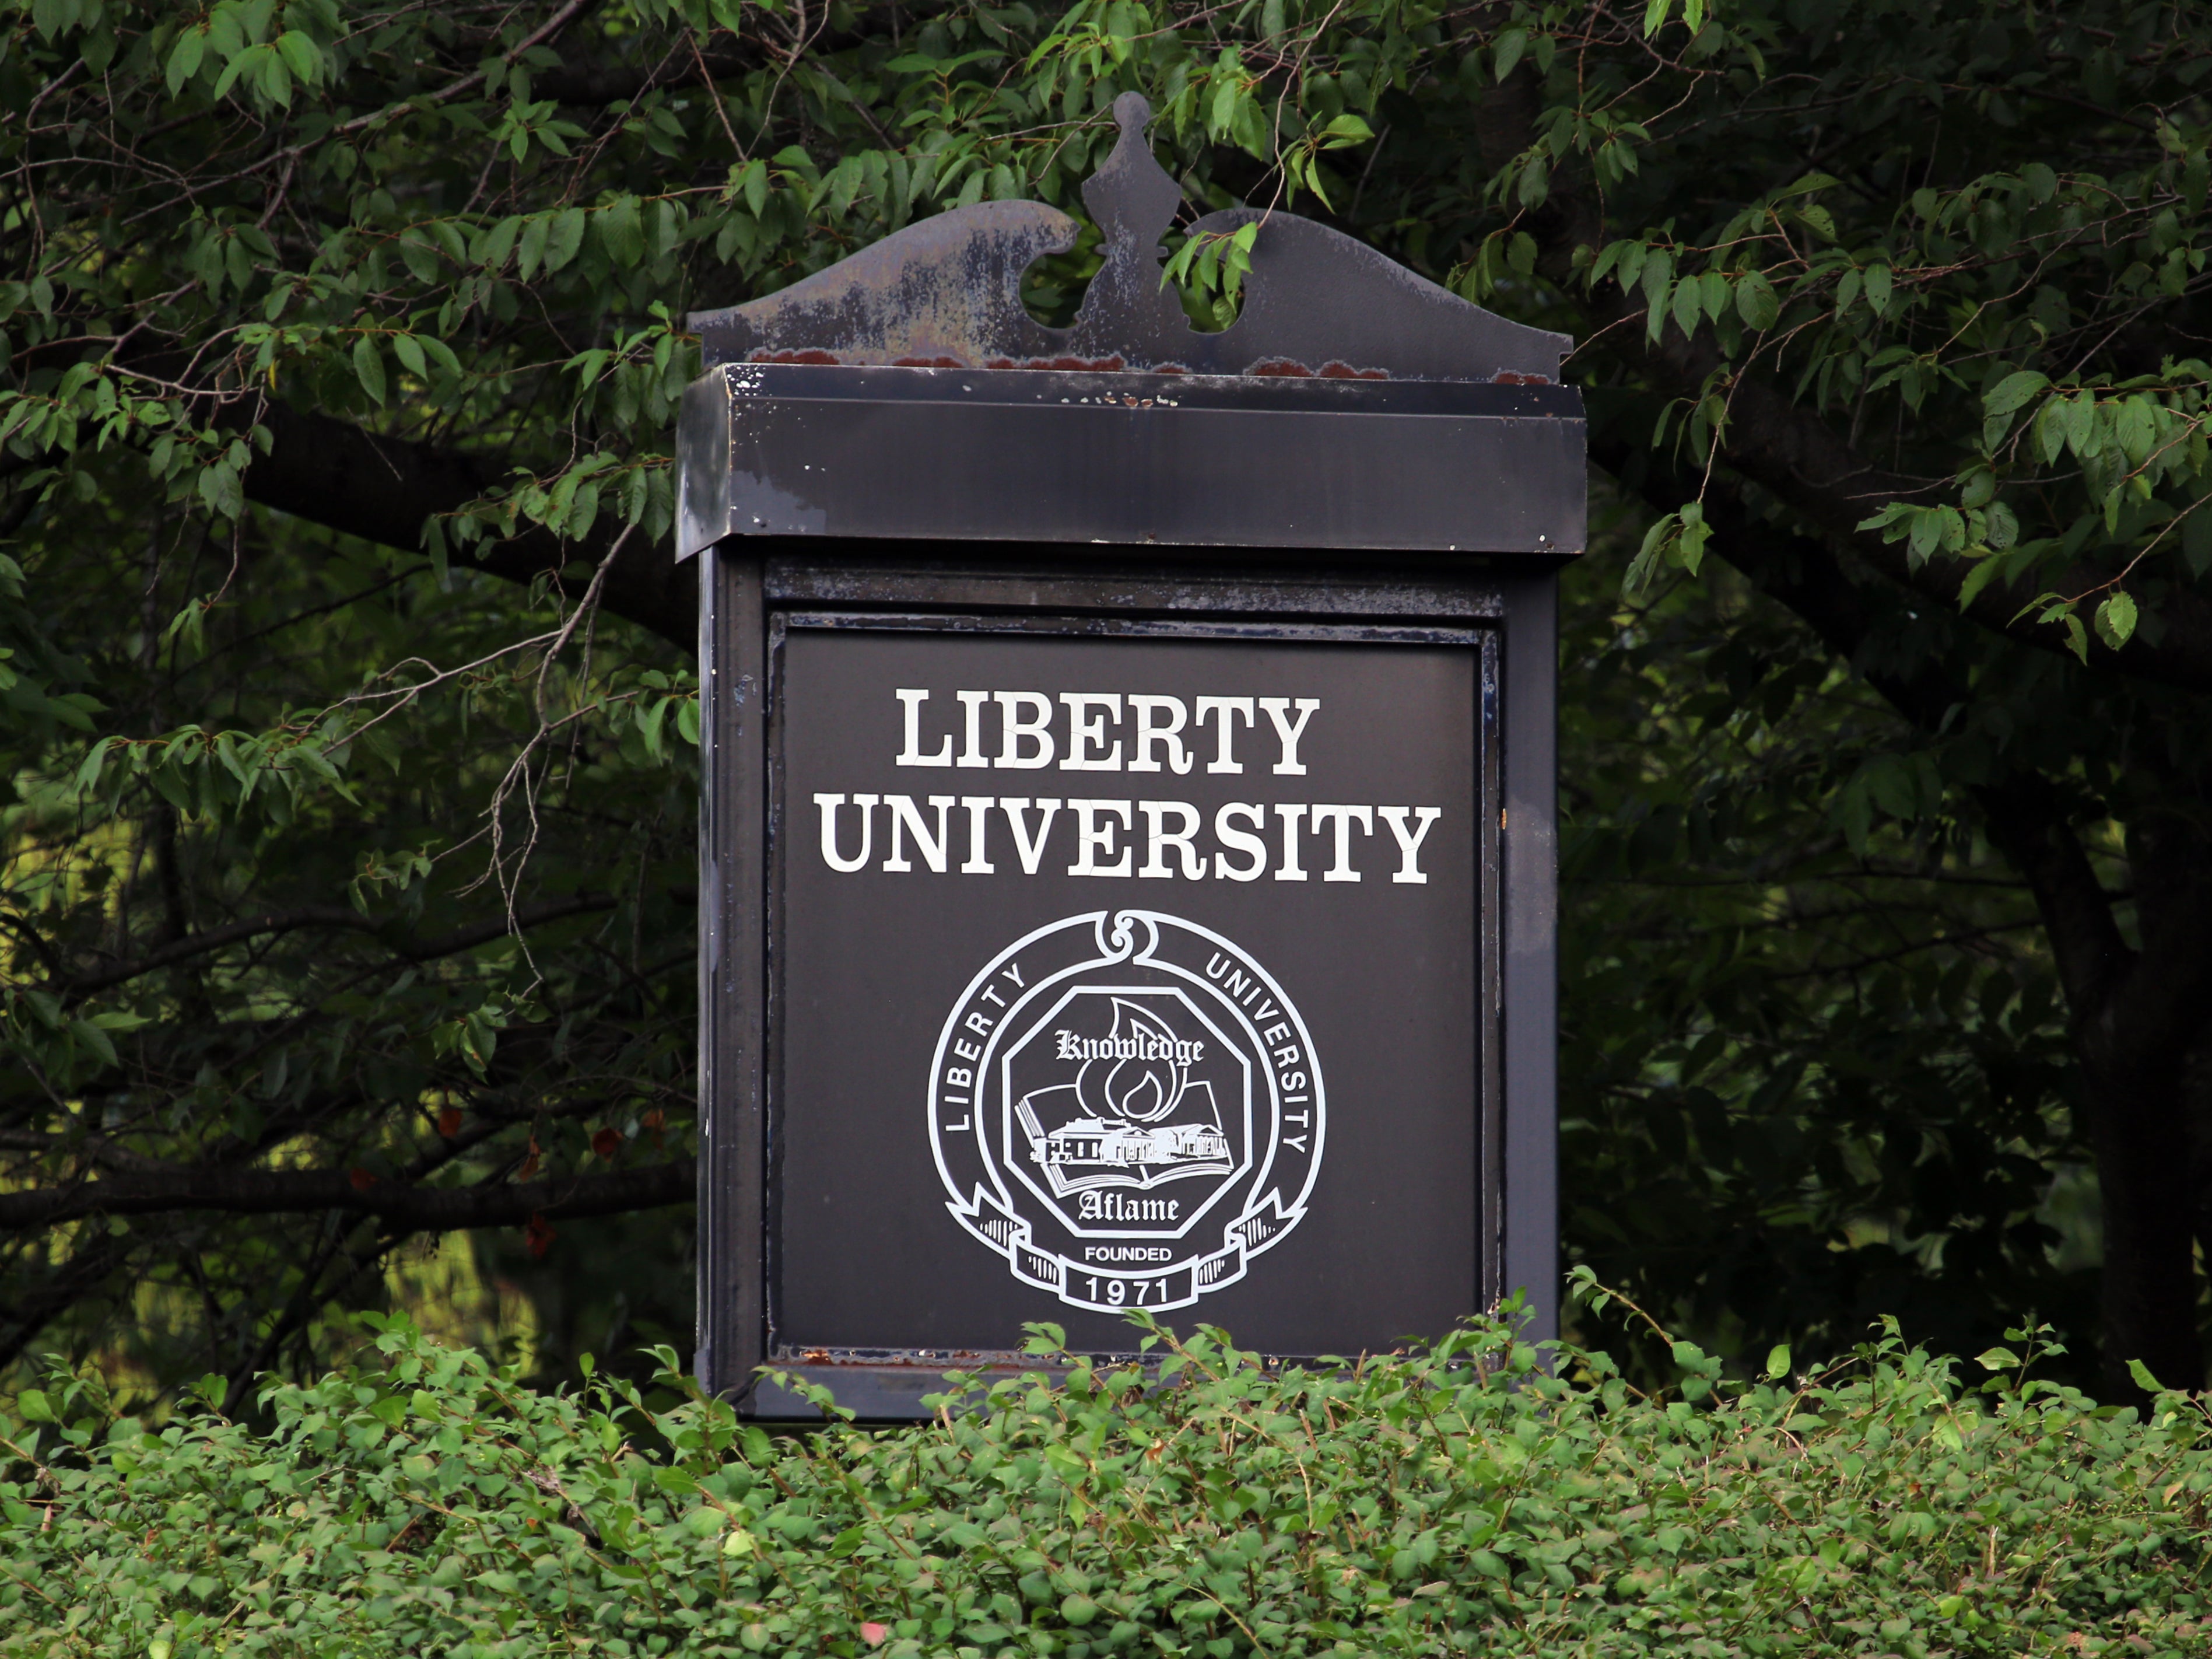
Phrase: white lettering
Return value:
(1224, 707)
(971, 710)
(1149, 732)
(905, 819)
(1179, 1050)
(911, 755)
(1106, 845)
(1116, 1206)
(1409, 842)
(829, 804)
(1159, 839)
(1342, 871)
(979, 815)
(1277, 708)
(1029, 851)
(1039, 726)
(1092, 838)
(1084, 734)
(1289, 871)
(1237, 840)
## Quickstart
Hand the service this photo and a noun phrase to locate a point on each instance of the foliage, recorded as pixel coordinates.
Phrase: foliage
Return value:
(1460, 1499)
(1812, 1064)
(345, 880)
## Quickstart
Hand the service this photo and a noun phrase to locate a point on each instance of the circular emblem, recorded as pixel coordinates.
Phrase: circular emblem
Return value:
(1126, 1109)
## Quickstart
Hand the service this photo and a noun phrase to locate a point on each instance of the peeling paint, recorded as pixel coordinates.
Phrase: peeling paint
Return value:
(945, 293)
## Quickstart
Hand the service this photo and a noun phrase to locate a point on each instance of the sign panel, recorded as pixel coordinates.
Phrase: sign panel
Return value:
(1122, 964)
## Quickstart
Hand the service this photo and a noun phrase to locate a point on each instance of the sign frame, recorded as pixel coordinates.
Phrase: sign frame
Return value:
(894, 444)
(1508, 611)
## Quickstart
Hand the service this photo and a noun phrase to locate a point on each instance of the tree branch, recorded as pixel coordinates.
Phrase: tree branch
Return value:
(2026, 818)
(329, 916)
(1793, 452)
(382, 489)
(249, 1191)
(593, 83)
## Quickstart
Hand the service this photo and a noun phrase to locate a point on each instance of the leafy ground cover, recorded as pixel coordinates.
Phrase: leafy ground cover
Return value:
(1471, 1496)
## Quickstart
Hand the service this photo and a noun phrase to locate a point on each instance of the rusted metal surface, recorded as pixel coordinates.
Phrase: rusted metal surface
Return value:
(1283, 457)
(946, 293)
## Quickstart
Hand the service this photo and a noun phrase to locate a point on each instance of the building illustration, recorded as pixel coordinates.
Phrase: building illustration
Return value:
(1133, 1115)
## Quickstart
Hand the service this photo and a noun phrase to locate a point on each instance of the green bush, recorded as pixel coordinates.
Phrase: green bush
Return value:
(1461, 1499)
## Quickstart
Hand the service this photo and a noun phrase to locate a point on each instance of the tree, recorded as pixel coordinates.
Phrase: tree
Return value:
(349, 845)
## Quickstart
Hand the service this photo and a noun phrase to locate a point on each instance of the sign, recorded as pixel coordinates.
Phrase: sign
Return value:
(1122, 972)
(1127, 859)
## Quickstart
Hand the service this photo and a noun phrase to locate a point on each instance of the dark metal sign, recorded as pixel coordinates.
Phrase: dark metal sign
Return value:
(1109, 905)
(1122, 972)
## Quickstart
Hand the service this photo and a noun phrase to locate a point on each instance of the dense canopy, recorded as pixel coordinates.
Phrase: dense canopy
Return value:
(348, 858)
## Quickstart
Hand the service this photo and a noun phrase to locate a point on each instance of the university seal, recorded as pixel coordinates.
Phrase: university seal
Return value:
(1127, 1110)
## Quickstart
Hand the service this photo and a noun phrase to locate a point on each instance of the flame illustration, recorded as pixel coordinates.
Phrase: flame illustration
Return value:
(1133, 1090)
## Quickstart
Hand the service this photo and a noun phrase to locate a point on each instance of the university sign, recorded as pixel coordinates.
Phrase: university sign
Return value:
(1128, 861)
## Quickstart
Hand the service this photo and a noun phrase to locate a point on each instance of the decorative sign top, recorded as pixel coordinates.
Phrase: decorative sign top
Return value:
(945, 293)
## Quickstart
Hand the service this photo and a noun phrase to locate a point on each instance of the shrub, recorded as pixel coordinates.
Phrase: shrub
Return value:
(1464, 1499)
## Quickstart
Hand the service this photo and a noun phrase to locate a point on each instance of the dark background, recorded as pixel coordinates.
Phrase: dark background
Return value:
(1384, 974)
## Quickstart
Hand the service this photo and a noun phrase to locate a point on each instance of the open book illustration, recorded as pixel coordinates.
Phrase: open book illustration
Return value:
(1133, 1116)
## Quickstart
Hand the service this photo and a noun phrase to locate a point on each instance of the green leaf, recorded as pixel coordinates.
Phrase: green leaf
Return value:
(1777, 1362)
(1689, 306)
(368, 367)
(2144, 1380)
(2050, 430)
(2134, 426)
(85, 1031)
(2116, 619)
(2079, 416)
(530, 253)
(1755, 302)
(1511, 44)
(565, 237)
(300, 55)
(185, 58)
(1927, 533)
(2197, 538)
(1692, 546)
(1878, 283)
(621, 231)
